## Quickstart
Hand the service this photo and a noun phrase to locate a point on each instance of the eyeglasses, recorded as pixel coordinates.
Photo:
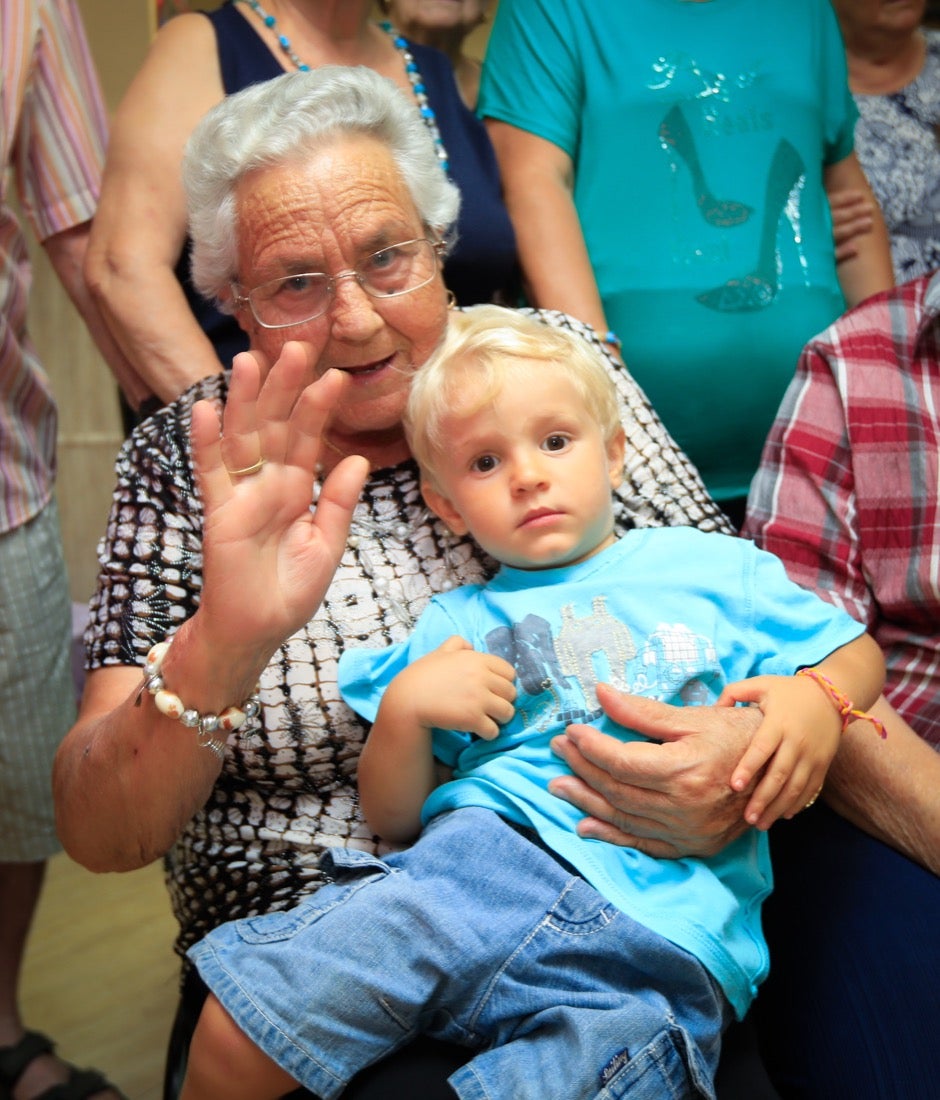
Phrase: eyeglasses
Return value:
(393, 270)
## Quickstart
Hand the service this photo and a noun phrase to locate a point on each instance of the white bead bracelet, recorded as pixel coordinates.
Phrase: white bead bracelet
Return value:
(205, 725)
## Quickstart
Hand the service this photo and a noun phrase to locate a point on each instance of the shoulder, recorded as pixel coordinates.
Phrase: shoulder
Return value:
(189, 30)
(438, 75)
(158, 449)
(891, 320)
(431, 61)
(182, 62)
(687, 540)
(453, 601)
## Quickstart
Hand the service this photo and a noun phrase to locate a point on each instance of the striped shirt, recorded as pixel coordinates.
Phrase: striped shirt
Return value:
(847, 493)
(53, 130)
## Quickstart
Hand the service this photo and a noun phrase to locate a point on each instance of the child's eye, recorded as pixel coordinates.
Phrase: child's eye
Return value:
(485, 464)
(555, 442)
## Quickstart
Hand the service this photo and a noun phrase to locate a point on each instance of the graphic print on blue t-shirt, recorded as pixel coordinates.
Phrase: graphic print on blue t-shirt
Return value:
(558, 674)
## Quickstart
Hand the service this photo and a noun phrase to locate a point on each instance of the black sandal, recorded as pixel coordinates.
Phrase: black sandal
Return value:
(81, 1083)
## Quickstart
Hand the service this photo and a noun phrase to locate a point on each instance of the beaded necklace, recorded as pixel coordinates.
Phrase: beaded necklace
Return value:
(420, 92)
(411, 71)
(282, 39)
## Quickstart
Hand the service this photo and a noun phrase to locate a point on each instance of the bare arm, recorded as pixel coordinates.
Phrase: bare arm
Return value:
(889, 788)
(126, 778)
(140, 225)
(801, 728)
(537, 185)
(453, 687)
(66, 252)
(869, 269)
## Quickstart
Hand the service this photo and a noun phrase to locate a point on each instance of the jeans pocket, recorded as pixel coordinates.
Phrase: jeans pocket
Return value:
(349, 869)
(669, 1067)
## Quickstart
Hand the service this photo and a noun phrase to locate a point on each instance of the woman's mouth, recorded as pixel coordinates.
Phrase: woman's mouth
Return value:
(362, 370)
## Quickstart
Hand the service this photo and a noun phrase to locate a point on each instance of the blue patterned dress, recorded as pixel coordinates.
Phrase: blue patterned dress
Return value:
(897, 143)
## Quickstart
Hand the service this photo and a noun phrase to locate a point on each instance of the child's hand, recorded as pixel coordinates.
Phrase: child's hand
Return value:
(799, 735)
(458, 688)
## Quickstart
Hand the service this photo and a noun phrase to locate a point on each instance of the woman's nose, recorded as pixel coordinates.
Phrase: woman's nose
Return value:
(353, 312)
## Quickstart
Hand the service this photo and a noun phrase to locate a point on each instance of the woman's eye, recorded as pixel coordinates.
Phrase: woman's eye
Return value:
(555, 442)
(382, 261)
(298, 284)
(485, 463)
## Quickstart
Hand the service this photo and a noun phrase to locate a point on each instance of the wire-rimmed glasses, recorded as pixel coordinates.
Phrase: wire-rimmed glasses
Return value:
(294, 299)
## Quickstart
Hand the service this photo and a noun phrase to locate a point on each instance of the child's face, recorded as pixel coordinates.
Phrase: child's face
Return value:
(529, 475)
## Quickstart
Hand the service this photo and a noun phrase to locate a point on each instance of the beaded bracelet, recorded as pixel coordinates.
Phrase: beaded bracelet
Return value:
(844, 704)
(173, 707)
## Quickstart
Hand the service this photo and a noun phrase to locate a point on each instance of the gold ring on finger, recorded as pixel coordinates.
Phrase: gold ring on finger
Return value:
(247, 471)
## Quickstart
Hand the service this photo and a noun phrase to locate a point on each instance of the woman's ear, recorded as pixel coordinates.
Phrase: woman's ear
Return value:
(615, 453)
(442, 507)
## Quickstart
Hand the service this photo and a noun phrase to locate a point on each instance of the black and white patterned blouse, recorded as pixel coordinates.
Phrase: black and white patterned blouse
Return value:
(896, 139)
(287, 790)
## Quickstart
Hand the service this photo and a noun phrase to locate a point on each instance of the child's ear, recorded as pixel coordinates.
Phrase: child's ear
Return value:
(441, 506)
(615, 452)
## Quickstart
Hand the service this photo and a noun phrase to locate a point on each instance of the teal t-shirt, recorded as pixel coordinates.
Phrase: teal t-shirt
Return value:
(698, 134)
(671, 614)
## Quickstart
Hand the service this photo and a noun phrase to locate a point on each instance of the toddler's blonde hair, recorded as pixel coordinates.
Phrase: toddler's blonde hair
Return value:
(477, 354)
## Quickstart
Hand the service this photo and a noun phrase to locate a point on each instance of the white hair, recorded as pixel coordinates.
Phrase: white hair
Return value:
(284, 119)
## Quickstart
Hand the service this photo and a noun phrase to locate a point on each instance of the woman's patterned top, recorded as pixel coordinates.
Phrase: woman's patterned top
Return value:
(287, 788)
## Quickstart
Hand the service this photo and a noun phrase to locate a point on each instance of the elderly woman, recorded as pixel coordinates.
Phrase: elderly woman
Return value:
(138, 256)
(318, 212)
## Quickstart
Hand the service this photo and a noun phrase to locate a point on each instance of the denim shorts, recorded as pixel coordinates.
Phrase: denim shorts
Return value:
(477, 936)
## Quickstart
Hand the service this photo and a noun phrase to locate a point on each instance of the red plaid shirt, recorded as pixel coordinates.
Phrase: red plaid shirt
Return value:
(847, 492)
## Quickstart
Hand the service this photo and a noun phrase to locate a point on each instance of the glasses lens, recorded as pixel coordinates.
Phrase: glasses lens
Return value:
(290, 301)
(398, 269)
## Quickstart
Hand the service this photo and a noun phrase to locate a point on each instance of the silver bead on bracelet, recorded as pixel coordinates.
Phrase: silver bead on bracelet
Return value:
(205, 725)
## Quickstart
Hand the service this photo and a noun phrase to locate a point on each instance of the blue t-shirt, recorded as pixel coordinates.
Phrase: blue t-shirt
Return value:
(698, 133)
(671, 614)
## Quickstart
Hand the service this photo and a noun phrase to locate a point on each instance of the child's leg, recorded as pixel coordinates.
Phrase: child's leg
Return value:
(224, 1064)
(598, 1005)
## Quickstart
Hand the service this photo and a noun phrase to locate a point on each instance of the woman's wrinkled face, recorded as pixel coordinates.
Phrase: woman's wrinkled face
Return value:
(436, 15)
(327, 213)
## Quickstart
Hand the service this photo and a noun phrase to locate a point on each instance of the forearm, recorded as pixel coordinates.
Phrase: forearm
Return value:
(66, 252)
(150, 321)
(857, 670)
(396, 772)
(140, 225)
(537, 186)
(869, 269)
(126, 778)
(889, 788)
